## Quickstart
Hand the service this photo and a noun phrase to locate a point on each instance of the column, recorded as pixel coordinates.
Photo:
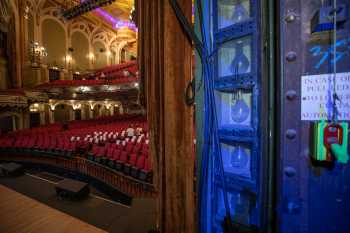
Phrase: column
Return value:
(121, 109)
(42, 118)
(83, 112)
(26, 117)
(91, 113)
(111, 110)
(100, 111)
(14, 125)
(71, 114)
(51, 116)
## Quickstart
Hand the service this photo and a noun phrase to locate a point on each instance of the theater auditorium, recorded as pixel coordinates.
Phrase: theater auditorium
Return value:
(174, 116)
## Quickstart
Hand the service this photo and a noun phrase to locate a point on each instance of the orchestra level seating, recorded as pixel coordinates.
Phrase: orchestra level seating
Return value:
(119, 143)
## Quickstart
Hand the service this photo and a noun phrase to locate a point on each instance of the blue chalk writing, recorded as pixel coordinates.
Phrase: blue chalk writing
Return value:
(327, 52)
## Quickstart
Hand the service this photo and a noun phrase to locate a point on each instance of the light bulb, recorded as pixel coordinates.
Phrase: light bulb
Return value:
(240, 64)
(239, 111)
(239, 158)
(239, 13)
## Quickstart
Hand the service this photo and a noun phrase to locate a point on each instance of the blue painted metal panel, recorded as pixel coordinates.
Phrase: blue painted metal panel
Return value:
(237, 90)
(311, 198)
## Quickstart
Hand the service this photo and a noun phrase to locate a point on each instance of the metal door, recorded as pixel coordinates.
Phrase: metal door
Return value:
(311, 198)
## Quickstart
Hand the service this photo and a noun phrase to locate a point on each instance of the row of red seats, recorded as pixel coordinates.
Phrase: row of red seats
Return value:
(116, 67)
(6, 142)
(117, 71)
(131, 159)
(48, 143)
(129, 154)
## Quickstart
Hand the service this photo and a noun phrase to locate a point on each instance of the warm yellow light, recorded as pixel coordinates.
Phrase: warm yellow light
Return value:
(76, 106)
(68, 58)
(91, 56)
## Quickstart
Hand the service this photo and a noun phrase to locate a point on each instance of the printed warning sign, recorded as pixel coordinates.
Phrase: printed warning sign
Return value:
(317, 96)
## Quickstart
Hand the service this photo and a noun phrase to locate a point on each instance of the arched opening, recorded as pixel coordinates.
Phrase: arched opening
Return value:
(100, 55)
(97, 110)
(62, 113)
(80, 45)
(123, 55)
(34, 119)
(9, 122)
(54, 40)
(105, 111)
(77, 114)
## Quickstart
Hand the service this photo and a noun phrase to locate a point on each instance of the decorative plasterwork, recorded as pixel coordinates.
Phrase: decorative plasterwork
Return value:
(13, 101)
(77, 104)
(35, 96)
(53, 12)
(80, 26)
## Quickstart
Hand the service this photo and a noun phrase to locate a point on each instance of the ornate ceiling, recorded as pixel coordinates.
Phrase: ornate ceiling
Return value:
(119, 10)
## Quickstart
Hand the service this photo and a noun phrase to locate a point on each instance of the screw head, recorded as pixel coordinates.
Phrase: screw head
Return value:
(291, 133)
(291, 94)
(291, 56)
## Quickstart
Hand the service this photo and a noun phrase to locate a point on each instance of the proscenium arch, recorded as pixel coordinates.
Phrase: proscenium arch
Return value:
(54, 39)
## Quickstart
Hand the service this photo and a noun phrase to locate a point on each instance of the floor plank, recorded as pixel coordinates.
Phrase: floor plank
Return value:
(19, 213)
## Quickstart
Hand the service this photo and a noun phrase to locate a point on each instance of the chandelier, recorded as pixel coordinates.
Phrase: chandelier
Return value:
(36, 54)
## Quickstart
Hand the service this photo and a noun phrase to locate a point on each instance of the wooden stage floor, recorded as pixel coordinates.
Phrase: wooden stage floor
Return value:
(21, 214)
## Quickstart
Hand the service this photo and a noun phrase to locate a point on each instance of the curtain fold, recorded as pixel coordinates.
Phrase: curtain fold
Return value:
(165, 67)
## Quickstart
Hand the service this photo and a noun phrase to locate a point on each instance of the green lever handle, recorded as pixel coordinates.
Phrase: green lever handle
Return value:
(340, 151)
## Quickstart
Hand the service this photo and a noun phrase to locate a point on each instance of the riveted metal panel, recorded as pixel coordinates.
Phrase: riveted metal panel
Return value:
(311, 199)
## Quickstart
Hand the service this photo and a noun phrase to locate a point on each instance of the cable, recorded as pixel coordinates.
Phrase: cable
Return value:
(335, 96)
(211, 137)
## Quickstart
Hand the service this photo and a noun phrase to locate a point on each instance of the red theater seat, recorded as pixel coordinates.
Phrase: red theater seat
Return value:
(131, 162)
(123, 158)
(140, 163)
(146, 172)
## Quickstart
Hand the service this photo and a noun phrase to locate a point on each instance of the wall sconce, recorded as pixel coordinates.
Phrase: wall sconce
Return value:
(68, 59)
(76, 106)
(34, 107)
(26, 12)
(91, 57)
(52, 107)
